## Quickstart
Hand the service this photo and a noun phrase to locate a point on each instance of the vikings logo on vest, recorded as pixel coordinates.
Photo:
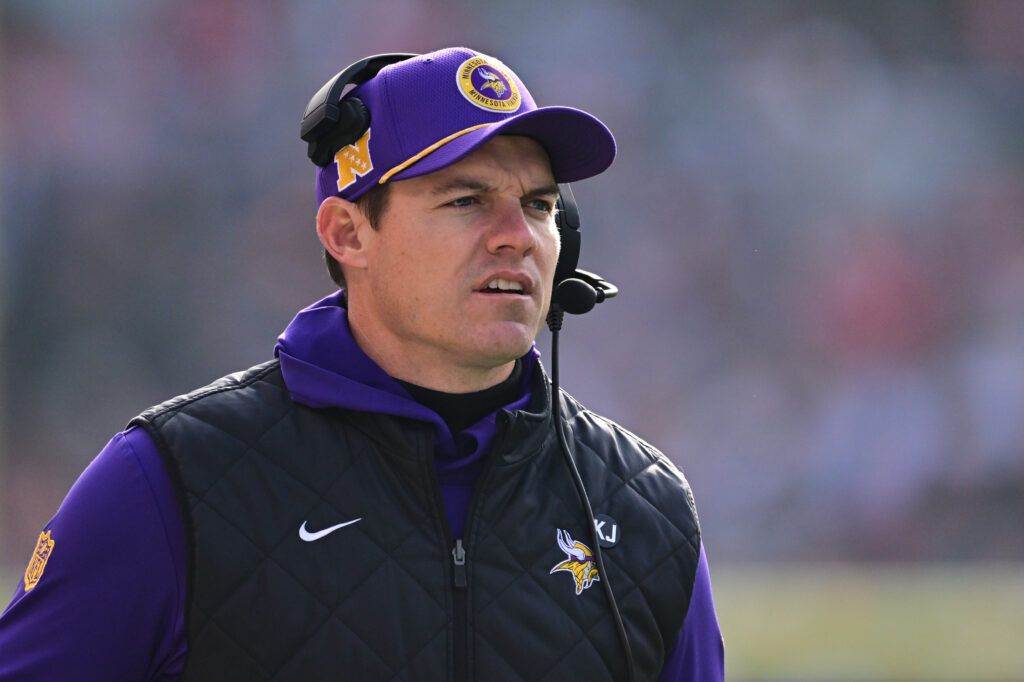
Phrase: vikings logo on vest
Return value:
(487, 86)
(353, 161)
(37, 563)
(579, 561)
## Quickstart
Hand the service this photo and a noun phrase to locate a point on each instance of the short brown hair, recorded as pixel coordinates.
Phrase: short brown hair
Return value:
(373, 204)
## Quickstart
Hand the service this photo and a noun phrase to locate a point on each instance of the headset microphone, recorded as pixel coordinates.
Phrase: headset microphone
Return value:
(579, 294)
(575, 296)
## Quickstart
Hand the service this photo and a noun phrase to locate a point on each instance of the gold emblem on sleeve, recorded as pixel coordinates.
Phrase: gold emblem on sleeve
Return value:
(38, 562)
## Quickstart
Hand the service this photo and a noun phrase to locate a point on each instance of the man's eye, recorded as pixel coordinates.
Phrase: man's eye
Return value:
(462, 202)
(542, 205)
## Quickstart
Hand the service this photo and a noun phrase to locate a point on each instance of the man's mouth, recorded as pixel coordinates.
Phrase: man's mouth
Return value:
(503, 286)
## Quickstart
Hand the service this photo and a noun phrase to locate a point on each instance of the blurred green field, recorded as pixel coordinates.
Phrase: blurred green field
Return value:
(800, 623)
(936, 623)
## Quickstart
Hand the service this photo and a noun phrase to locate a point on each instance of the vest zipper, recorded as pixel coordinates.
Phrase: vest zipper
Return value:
(459, 558)
(461, 617)
(460, 577)
(459, 573)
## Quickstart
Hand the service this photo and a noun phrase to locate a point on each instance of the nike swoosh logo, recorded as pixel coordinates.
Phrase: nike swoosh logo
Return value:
(313, 537)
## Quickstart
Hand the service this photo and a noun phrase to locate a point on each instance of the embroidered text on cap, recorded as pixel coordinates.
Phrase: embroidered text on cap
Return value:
(487, 86)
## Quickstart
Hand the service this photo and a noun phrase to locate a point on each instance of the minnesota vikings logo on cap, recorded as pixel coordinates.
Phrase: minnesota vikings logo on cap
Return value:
(579, 561)
(484, 83)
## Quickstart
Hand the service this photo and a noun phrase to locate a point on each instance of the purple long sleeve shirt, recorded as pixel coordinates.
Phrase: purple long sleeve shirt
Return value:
(111, 602)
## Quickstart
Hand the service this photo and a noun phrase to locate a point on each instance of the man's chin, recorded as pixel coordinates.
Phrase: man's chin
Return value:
(507, 341)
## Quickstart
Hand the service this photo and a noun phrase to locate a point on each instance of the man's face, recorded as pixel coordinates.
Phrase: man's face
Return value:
(458, 274)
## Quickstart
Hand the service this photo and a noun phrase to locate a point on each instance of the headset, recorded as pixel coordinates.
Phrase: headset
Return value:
(333, 120)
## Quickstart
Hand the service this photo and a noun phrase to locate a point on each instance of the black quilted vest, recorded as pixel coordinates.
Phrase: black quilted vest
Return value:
(383, 598)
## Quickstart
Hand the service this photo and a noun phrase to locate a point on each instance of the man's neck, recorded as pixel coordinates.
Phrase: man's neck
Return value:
(437, 373)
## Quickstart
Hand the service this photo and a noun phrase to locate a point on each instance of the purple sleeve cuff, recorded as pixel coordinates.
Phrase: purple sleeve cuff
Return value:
(109, 602)
(699, 654)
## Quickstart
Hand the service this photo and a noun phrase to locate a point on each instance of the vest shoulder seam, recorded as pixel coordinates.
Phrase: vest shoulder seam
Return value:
(231, 382)
(582, 410)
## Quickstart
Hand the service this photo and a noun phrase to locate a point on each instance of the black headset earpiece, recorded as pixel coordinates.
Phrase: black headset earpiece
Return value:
(330, 122)
(575, 291)
(567, 219)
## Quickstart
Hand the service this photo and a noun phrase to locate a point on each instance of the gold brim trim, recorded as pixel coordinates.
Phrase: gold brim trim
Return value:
(440, 143)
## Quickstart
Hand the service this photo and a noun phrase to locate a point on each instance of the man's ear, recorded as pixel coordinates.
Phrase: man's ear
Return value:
(340, 225)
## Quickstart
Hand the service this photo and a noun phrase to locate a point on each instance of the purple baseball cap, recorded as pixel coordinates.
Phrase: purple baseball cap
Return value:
(427, 112)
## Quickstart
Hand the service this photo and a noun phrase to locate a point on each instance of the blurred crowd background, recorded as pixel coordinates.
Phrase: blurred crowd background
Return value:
(816, 219)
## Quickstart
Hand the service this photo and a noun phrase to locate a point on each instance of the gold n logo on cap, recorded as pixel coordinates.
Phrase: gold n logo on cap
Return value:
(353, 161)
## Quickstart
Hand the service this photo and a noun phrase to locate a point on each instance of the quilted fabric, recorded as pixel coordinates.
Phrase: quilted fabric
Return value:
(651, 569)
(376, 600)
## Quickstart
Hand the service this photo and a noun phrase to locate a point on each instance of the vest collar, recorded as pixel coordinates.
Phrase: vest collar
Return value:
(323, 366)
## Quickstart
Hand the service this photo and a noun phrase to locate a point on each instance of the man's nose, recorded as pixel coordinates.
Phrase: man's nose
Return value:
(511, 229)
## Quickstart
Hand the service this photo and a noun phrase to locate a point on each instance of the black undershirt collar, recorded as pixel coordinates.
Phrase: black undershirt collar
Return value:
(462, 410)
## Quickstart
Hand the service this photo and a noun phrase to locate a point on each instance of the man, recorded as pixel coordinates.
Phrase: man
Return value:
(388, 498)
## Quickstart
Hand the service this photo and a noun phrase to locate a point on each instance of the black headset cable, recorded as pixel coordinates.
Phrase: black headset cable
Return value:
(574, 298)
